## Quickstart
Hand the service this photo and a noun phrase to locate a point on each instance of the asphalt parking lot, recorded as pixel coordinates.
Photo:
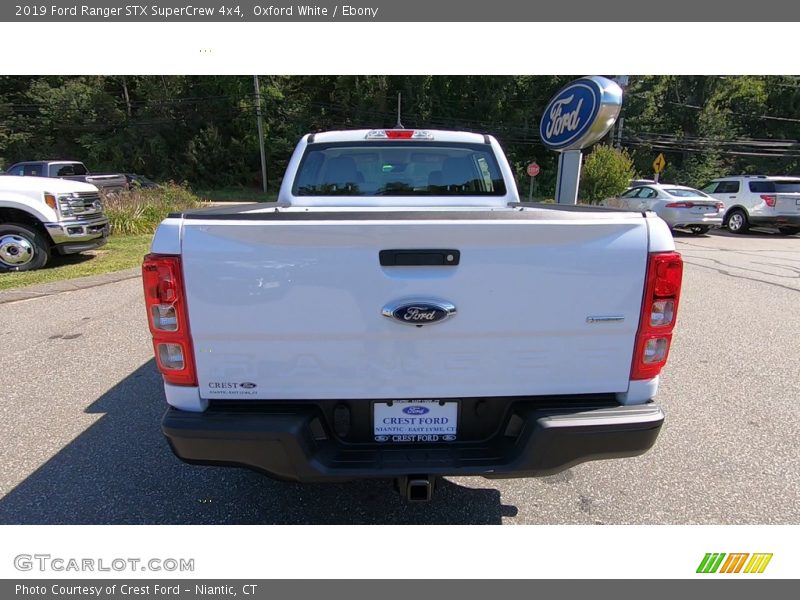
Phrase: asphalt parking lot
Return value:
(82, 402)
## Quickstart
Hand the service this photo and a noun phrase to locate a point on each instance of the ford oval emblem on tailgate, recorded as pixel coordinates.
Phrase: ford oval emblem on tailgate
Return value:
(419, 313)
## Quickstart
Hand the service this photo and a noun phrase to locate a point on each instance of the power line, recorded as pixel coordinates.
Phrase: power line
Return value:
(732, 112)
(232, 106)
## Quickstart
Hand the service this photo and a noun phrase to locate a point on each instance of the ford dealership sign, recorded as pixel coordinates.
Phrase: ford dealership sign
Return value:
(580, 114)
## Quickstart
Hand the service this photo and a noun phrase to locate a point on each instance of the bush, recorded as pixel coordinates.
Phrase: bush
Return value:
(140, 210)
(606, 173)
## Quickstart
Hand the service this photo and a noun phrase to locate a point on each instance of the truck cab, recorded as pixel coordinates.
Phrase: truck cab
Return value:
(72, 170)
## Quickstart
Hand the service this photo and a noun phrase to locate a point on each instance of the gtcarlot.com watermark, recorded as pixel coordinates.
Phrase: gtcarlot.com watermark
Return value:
(59, 564)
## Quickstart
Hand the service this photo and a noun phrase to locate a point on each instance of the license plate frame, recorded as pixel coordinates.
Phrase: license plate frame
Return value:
(416, 426)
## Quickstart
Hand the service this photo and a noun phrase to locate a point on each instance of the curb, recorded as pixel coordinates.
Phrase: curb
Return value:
(70, 285)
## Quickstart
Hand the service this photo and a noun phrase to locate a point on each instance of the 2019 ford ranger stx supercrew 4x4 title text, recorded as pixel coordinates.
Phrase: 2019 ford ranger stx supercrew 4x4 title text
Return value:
(399, 313)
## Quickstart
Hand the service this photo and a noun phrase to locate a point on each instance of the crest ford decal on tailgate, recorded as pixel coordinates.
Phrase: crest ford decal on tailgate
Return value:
(232, 388)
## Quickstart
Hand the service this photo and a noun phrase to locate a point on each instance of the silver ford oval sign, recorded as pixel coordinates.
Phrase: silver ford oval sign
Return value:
(581, 113)
(420, 312)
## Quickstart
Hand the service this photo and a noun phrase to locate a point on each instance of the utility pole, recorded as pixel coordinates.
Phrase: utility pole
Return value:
(399, 100)
(622, 81)
(260, 120)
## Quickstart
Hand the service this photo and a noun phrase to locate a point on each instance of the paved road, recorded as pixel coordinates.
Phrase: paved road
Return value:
(81, 406)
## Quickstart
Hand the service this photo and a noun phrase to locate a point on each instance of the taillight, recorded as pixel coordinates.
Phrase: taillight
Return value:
(659, 310)
(769, 199)
(165, 299)
(679, 205)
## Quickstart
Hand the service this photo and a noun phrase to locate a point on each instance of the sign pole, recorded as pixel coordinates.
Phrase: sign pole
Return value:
(569, 174)
(532, 170)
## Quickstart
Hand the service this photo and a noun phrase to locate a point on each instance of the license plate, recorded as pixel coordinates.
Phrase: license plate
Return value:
(415, 421)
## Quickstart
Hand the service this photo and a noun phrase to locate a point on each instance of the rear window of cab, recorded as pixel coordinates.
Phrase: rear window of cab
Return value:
(407, 168)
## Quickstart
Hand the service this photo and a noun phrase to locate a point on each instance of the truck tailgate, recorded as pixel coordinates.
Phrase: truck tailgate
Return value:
(285, 308)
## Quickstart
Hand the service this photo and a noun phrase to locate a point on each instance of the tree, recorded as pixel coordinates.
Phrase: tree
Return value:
(202, 129)
(606, 173)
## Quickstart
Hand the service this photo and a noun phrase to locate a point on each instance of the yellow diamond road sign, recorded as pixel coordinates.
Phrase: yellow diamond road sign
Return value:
(659, 163)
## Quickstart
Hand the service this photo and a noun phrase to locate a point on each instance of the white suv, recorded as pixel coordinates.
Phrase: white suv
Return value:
(758, 201)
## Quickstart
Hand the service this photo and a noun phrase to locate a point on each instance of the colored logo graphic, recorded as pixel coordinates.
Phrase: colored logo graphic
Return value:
(416, 410)
(719, 562)
(570, 114)
(580, 114)
(419, 313)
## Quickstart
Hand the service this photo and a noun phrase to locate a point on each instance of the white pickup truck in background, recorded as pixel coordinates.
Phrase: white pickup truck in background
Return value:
(399, 313)
(40, 216)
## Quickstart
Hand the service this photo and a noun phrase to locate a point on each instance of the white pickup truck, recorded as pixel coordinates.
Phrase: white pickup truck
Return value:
(40, 216)
(399, 313)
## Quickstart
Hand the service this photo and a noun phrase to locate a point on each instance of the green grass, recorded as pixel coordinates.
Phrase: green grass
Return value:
(236, 194)
(121, 252)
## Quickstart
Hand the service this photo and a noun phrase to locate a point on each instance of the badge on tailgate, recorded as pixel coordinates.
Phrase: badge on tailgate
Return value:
(419, 312)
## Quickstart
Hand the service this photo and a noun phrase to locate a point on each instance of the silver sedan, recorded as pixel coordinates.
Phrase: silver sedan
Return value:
(680, 206)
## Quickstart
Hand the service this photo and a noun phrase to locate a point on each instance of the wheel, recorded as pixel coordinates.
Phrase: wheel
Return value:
(699, 229)
(22, 248)
(788, 230)
(737, 221)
